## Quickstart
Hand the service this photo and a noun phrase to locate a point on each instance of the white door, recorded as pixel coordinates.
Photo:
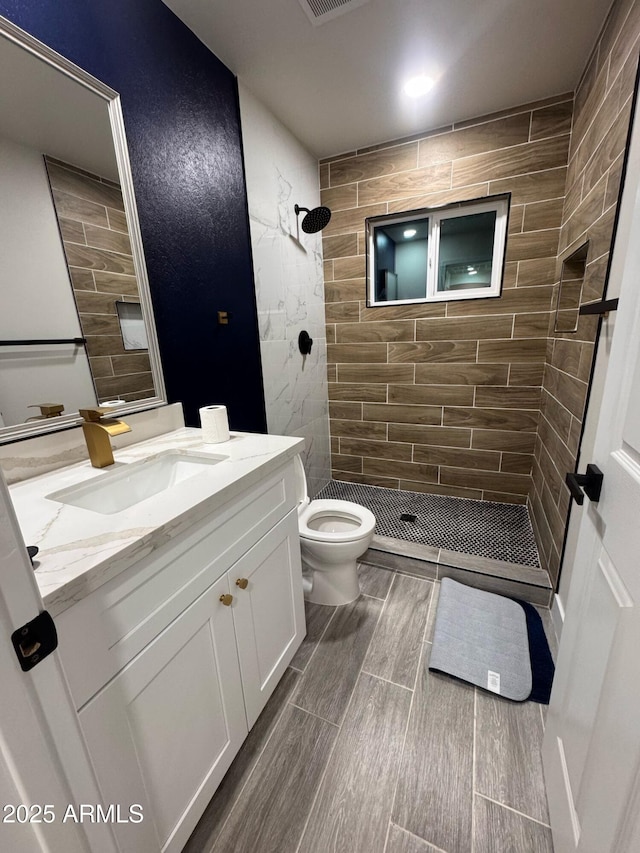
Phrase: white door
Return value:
(591, 751)
(43, 760)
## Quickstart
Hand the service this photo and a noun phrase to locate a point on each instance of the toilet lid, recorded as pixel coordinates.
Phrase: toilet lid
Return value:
(301, 484)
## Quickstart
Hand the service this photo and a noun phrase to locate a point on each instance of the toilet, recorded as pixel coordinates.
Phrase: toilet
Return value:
(333, 534)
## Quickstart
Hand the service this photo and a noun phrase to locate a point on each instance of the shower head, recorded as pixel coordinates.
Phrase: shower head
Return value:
(315, 220)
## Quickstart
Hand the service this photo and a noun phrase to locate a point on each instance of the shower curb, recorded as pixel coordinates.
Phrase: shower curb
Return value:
(529, 583)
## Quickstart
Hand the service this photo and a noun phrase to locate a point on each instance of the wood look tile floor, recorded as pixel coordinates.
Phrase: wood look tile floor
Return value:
(362, 750)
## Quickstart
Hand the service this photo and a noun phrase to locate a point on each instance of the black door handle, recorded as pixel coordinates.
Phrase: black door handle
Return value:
(591, 483)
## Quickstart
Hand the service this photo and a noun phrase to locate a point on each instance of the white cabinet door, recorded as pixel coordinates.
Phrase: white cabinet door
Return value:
(164, 731)
(268, 612)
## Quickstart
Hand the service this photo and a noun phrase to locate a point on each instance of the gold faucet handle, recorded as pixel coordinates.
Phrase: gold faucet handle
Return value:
(111, 425)
(94, 414)
(48, 410)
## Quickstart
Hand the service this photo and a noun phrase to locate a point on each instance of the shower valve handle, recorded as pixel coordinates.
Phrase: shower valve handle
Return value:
(304, 343)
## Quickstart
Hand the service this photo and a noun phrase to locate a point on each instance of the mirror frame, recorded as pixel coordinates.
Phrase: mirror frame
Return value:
(111, 98)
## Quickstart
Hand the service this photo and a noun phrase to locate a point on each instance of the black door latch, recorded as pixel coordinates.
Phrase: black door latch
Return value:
(35, 640)
(591, 483)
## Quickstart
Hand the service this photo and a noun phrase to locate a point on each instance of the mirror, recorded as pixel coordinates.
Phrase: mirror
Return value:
(437, 254)
(76, 323)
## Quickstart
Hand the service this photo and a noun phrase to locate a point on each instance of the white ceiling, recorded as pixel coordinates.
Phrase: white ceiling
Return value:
(337, 86)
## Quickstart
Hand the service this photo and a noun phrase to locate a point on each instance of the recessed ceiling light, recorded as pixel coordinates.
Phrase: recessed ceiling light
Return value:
(410, 232)
(415, 87)
(473, 272)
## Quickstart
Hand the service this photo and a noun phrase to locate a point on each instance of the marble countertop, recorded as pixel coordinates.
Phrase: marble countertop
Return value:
(80, 550)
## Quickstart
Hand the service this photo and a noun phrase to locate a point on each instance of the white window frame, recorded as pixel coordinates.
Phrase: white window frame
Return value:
(497, 204)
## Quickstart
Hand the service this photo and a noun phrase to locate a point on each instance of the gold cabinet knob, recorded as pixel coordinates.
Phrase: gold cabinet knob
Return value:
(242, 583)
(226, 599)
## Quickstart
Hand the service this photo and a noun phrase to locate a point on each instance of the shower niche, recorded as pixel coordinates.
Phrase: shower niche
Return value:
(570, 291)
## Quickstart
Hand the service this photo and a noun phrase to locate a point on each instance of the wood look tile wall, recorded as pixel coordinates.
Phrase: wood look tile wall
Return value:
(96, 242)
(598, 141)
(489, 400)
(445, 398)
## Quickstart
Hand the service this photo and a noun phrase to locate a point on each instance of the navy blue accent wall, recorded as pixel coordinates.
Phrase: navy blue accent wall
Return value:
(182, 121)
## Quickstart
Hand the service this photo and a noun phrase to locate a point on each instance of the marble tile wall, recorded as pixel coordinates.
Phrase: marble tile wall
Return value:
(289, 284)
(95, 237)
(601, 117)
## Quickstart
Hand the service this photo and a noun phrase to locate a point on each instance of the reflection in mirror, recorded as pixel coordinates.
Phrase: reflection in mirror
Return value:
(132, 328)
(570, 291)
(454, 252)
(70, 247)
(95, 238)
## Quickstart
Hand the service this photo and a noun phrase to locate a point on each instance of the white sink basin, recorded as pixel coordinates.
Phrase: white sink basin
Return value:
(125, 486)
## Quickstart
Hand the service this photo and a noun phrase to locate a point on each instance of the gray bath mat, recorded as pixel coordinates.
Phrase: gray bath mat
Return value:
(482, 638)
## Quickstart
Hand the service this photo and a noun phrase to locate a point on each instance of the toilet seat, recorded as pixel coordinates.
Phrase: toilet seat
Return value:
(361, 521)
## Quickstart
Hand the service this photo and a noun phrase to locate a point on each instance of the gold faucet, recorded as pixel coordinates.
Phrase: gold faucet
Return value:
(97, 433)
(47, 410)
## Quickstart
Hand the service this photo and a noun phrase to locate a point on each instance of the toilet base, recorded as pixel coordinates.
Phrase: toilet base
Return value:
(337, 585)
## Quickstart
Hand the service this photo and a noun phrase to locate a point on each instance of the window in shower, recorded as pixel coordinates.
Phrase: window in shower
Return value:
(437, 254)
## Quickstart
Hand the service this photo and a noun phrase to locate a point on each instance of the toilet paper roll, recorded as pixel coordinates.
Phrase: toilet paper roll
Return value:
(215, 424)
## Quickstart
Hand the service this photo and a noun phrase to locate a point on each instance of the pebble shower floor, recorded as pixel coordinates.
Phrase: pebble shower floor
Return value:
(494, 530)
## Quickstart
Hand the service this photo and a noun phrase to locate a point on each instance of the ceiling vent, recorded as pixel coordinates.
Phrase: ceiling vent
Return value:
(321, 11)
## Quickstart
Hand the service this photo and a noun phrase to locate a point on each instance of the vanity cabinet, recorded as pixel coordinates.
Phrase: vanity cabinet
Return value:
(164, 731)
(195, 639)
(269, 626)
